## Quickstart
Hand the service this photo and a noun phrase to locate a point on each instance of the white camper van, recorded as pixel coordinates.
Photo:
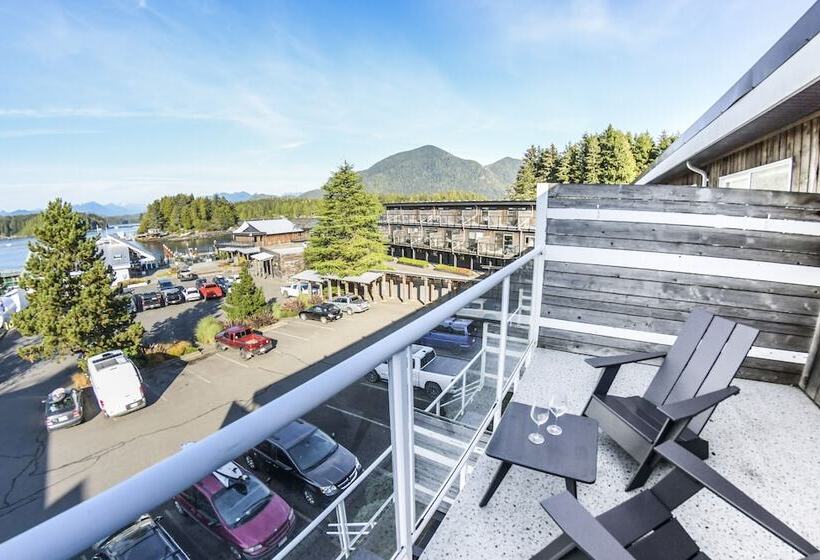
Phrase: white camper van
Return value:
(116, 382)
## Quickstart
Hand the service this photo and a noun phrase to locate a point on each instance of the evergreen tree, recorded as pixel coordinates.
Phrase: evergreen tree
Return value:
(591, 155)
(544, 168)
(617, 162)
(563, 166)
(524, 186)
(643, 146)
(664, 141)
(245, 298)
(72, 306)
(347, 239)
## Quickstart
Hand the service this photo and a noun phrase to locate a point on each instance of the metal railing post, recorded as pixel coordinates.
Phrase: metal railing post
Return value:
(540, 258)
(502, 349)
(400, 397)
(344, 536)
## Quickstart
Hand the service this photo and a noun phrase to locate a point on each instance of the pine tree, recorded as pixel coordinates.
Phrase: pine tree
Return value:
(347, 239)
(617, 162)
(245, 298)
(544, 168)
(591, 156)
(563, 166)
(642, 146)
(664, 141)
(72, 306)
(524, 186)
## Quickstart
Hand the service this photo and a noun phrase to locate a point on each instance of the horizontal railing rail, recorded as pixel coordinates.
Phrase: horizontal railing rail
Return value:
(96, 518)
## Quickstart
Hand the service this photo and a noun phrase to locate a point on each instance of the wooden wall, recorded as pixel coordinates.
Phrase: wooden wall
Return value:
(800, 142)
(626, 264)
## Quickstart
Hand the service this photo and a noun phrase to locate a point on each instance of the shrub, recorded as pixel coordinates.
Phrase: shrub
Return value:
(180, 348)
(454, 269)
(206, 329)
(413, 262)
(80, 380)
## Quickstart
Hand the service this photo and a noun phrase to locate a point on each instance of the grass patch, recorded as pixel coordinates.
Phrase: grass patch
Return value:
(413, 262)
(206, 329)
(454, 269)
(80, 380)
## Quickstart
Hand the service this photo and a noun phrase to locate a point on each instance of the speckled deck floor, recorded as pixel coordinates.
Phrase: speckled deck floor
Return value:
(766, 440)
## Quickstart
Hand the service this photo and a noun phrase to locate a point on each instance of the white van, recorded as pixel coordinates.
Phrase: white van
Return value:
(116, 382)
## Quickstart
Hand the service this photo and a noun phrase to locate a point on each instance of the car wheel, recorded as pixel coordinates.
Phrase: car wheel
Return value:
(244, 354)
(323, 319)
(303, 317)
(349, 311)
(236, 554)
(432, 389)
(180, 509)
(223, 347)
(373, 377)
(310, 496)
(250, 462)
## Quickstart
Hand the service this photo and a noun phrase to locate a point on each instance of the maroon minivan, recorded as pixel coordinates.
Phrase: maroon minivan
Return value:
(238, 508)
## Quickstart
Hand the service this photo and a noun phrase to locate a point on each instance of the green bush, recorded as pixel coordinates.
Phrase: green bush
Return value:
(413, 262)
(206, 329)
(454, 269)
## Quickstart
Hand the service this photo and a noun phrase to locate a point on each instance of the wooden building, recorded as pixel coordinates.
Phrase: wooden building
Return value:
(764, 133)
(476, 235)
(267, 233)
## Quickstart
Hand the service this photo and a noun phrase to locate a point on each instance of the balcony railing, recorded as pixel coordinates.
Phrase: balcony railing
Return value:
(437, 415)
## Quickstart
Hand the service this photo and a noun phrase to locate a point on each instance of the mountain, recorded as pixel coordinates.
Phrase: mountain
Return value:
(242, 196)
(109, 209)
(17, 212)
(430, 169)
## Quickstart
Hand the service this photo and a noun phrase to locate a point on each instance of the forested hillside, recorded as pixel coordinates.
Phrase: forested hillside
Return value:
(22, 225)
(185, 212)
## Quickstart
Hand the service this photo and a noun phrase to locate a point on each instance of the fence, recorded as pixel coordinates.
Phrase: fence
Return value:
(626, 264)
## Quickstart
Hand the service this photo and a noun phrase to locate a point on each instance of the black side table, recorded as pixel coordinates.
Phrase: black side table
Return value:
(573, 455)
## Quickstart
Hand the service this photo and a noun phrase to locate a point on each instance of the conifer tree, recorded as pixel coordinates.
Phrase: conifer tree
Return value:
(563, 166)
(591, 155)
(347, 239)
(524, 186)
(643, 146)
(72, 307)
(664, 141)
(617, 161)
(544, 168)
(245, 298)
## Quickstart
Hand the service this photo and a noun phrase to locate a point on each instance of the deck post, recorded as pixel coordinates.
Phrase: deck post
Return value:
(400, 398)
(502, 349)
(538, 263)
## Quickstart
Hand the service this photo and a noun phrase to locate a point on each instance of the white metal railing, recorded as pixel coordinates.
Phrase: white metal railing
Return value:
(96, 518)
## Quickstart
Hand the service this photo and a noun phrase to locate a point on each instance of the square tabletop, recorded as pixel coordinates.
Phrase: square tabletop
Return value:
(573, 454)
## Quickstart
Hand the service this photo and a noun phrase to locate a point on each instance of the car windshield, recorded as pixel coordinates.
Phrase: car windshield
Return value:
(427, 358)
(356, 299)
(241, 501)
(240, 334)
(312, 450)
(136, 543)
(65, 405)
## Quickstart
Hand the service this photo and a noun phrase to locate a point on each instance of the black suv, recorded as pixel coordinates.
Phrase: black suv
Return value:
(323, 312)
(145, 538)
(305, 452)
(174, 295)
(150, 300)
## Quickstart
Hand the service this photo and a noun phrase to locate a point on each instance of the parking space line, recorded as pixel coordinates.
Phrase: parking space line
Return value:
(202, 379)
(292, 336)
(433, 456)
(379, 387)
(440, 437)
(359, 416)
(226, 358)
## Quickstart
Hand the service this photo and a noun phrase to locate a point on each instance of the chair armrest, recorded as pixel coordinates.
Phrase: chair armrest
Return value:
(586, 531)
(605, 361)
(682, 410)
(711, 479)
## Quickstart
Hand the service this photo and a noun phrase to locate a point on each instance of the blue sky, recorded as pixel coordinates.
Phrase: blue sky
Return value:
(124, 101)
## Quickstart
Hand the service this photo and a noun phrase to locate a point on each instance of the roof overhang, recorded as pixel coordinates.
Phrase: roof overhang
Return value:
(782, 88)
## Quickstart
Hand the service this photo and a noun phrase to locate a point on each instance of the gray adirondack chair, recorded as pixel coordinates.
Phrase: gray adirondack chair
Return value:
(643, 527)
(693, 378)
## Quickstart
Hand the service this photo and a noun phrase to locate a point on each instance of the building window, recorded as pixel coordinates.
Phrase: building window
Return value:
(776, 176)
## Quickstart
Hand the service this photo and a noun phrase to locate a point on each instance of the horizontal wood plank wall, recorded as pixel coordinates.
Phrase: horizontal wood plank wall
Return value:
(621, 303)
(800, 142)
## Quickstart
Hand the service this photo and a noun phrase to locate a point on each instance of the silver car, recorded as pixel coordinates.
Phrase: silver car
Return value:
(350, 304)
(64, 408)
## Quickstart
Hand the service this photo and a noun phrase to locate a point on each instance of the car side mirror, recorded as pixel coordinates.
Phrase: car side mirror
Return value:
(159, 517)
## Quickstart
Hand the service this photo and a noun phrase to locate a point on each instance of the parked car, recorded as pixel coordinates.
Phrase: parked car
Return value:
(429, 371)
(323, 312)
(302, 451)
(223, 283)
(192, 294)
(164, 285)
(145, 538)
(185, 275)
(117, 383)
(350, 304)
(248, 341)
(299, 288)
(150, 300)
(174, 296)
(454, 332)
(64, 408)
(209, 290)
(238, 508)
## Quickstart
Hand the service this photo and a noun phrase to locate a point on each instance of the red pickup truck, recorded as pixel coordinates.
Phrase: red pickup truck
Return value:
(248, 341)
(210, 290)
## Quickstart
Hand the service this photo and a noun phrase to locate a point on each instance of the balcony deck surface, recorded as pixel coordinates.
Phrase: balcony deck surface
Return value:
(766, 440)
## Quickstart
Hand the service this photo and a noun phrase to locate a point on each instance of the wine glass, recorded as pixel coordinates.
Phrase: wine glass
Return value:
(558, 407)
(540, 417)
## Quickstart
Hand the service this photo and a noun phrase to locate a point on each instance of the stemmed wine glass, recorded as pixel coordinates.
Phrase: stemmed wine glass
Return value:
(558, 407)
(540, 417)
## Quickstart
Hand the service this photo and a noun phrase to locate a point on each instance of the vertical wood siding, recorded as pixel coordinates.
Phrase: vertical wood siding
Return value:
(614, 283)
(801, 142)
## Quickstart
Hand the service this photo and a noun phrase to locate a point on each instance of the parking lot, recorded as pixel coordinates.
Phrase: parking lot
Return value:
(45, 473)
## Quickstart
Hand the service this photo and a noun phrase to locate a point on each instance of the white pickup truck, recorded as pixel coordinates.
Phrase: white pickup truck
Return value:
(298, 288)
(430, 372)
